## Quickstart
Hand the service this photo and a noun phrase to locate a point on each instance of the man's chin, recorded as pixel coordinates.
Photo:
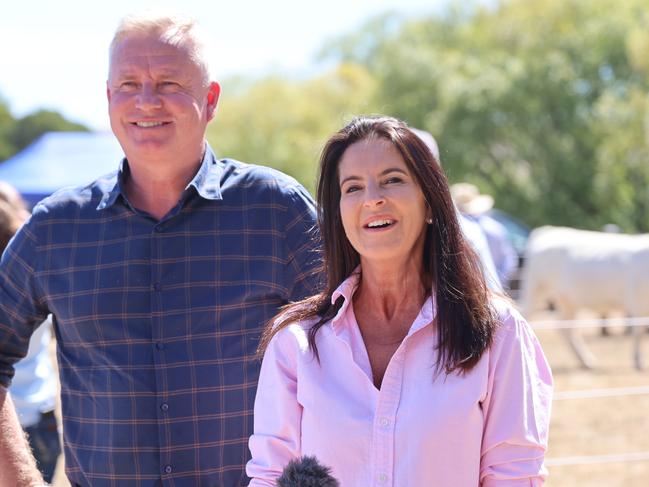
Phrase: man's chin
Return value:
(149, 148)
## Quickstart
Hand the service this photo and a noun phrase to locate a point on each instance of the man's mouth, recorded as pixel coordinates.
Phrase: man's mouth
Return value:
(147, 125)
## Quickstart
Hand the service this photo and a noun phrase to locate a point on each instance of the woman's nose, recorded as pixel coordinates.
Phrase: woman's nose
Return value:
(374, 195)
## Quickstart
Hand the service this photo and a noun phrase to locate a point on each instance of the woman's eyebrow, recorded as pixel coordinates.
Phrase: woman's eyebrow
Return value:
(382, 173)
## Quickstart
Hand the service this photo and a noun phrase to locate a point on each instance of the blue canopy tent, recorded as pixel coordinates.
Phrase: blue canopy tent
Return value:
(59, 159)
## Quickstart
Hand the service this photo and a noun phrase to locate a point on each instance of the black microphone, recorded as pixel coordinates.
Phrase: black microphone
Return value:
(306, 471)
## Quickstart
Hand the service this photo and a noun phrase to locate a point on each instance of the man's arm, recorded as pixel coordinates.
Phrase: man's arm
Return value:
(17, 464)
(303, 274)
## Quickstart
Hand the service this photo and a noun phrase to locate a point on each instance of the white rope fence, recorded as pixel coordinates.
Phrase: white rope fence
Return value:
(640, 456)
(596, 393)
(593, 393)
(598, 459)
(589, 323)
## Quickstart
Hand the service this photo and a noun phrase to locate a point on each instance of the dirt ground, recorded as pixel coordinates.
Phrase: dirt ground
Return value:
(593, 426)
(603, 425)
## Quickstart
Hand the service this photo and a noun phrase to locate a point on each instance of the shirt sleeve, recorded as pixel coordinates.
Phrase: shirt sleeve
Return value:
(517, 408)
(303, 270)
(278, 415)
(21, 306)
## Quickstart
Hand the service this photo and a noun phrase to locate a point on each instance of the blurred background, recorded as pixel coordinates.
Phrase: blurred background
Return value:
(541, 104)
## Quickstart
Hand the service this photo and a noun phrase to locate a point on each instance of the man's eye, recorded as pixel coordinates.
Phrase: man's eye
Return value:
(127, 84)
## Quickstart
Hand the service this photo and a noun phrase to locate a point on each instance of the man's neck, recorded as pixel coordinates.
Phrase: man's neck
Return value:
(156, 190)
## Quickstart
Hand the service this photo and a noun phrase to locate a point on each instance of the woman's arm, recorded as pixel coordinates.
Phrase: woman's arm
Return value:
(517, 408)
(278, 415)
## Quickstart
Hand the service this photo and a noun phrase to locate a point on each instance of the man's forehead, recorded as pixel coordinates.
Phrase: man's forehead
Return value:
(140, 45)
(132, 54)
(159, 62)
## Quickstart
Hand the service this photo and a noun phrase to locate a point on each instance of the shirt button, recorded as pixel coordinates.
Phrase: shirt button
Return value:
(157, 229)
(168, 469)
(383, 478)
(164, 406)
(385, 422)
(159, 345)
(157, 286)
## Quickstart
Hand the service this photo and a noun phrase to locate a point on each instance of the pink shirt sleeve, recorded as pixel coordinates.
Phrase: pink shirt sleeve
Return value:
(516, 409)
(277, 412)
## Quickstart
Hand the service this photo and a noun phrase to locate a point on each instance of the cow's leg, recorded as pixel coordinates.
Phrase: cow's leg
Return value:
(575, 340)
(637, 352)
(604, 331)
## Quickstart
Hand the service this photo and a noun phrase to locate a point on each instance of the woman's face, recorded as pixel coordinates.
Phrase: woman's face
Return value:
(382, 207)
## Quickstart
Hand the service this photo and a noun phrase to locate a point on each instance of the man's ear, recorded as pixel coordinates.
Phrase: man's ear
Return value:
(213, 94)
(107, 91)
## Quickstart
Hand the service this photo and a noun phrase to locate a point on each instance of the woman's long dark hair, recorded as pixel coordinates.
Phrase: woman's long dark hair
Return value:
(465, 318)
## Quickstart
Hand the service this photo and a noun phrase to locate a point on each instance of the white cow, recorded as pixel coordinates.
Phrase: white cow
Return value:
(576, 269)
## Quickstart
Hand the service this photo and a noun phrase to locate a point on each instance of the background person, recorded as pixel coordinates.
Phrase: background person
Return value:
(474, 206)
(34, 387)
(470, 228)
(406, 370)
(159, 278)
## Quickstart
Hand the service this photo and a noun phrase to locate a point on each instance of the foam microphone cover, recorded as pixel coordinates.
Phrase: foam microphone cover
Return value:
(306, 471)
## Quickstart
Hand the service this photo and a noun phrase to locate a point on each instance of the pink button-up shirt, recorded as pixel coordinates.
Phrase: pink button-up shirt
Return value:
(486, 428)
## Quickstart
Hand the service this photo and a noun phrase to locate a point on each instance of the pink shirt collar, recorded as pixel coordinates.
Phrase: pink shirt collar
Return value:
(348, 287)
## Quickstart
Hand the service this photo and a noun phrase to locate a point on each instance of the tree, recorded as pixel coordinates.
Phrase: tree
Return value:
(284, 123)
(6, 124)
(32, 126)
(536, 102)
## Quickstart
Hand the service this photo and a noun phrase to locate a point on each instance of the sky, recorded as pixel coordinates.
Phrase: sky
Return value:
(54, 54)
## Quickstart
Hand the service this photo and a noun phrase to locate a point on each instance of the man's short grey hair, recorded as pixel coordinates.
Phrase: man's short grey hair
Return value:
(173, 29)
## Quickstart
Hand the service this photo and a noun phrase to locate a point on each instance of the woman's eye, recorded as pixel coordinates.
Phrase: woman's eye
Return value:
(393, 180)
(351, 189)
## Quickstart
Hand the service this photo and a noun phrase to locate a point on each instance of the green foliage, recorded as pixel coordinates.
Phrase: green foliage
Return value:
(284, 124)
(32, 126)
(15, 135)
(516, 96)
(6, 124)
(543, 104)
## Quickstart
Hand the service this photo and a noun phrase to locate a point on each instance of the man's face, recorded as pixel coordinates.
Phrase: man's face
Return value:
(158, 103)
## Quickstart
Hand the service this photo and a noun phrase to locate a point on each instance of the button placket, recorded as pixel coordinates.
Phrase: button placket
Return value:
(160, 359)
(383, 437)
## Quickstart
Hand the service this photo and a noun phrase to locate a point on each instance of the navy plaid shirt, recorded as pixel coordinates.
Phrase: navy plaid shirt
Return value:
(158, 321)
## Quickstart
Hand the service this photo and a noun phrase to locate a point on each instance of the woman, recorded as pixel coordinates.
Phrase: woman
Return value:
(406, 370)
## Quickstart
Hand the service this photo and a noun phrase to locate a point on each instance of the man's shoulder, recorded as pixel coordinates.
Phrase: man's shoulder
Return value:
(73, 199)
(243, 175)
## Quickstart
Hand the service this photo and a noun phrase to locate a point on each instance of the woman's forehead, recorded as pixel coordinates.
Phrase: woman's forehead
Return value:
(369, 154)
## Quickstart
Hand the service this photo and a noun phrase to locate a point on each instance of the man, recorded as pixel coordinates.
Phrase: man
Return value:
(159, 278)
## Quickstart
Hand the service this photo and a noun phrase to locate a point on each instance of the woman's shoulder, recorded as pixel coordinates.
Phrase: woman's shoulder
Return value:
(511, 324)
(295, 335)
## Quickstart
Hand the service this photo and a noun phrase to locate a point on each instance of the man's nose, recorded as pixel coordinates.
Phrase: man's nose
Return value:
(148, 98)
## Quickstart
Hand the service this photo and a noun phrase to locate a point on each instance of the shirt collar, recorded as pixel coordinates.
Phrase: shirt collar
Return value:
(346, 290)
(111, 196)
(207, 180)
(348, 287)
